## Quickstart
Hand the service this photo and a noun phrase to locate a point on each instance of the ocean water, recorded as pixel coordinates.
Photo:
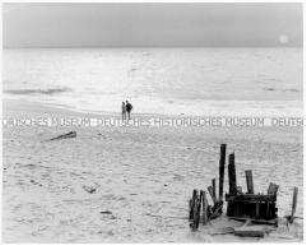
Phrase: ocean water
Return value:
(196, 81)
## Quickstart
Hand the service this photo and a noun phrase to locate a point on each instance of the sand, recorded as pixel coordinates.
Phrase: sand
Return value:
(132, 184)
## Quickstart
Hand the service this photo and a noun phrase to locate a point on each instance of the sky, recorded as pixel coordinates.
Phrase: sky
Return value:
(152, 25)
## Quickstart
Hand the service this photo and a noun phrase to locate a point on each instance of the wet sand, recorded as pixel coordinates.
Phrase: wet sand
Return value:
(132, 184)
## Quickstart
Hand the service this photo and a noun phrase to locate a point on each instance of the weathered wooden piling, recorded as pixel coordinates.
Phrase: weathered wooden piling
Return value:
(232, 175)
(205, 211)
(294, 204)
(197, 212)
(201, 200)
(213, 184)
(192, 204)
(221, 170)
(249, 180)
(204, 207)
(195, 208)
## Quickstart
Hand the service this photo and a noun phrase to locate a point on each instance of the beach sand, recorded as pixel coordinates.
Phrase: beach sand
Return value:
(132, 184)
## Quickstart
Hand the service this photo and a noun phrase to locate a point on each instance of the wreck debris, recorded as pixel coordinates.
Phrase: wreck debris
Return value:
(294, 203)
(221, 170)
(249, 204)
(290, 218)
(212, 194)
(199, 202)
(248, 207)
(205, 207)
(71, 134)
(249, 181)
(195, 209)
(213, 184)
(232, 175)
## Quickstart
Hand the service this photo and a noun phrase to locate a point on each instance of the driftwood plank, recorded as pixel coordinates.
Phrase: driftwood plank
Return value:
(71, 134)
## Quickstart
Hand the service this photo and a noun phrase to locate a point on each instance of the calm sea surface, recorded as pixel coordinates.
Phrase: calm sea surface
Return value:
(197, 81)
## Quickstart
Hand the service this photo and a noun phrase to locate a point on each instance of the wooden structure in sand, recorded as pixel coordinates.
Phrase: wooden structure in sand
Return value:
(248, 206)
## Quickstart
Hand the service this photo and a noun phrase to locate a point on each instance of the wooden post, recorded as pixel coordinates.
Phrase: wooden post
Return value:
(192, 203)
(211, 193)
(205, 208)
(201, 201)
(213, 184)
(294, 203)
(190, 209)
(197, 213)
(232, 175)
(195, 205)
(249, 180)
(221, 170)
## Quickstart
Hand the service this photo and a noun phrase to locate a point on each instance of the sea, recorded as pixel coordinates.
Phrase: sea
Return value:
(175, 81)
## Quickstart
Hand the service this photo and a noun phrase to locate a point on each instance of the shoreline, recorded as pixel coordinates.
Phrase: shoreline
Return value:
(58, 113)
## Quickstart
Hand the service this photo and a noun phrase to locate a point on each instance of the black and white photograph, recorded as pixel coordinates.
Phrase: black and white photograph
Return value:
(152, 122)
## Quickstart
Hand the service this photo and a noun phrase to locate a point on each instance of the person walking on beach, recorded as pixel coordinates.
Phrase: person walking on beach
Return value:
(129, 108)
(123, 110)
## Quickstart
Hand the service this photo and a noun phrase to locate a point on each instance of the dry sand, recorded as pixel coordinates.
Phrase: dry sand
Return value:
(132, 184)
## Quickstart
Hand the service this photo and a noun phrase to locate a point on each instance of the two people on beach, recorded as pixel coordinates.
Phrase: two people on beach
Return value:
(126, 108)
